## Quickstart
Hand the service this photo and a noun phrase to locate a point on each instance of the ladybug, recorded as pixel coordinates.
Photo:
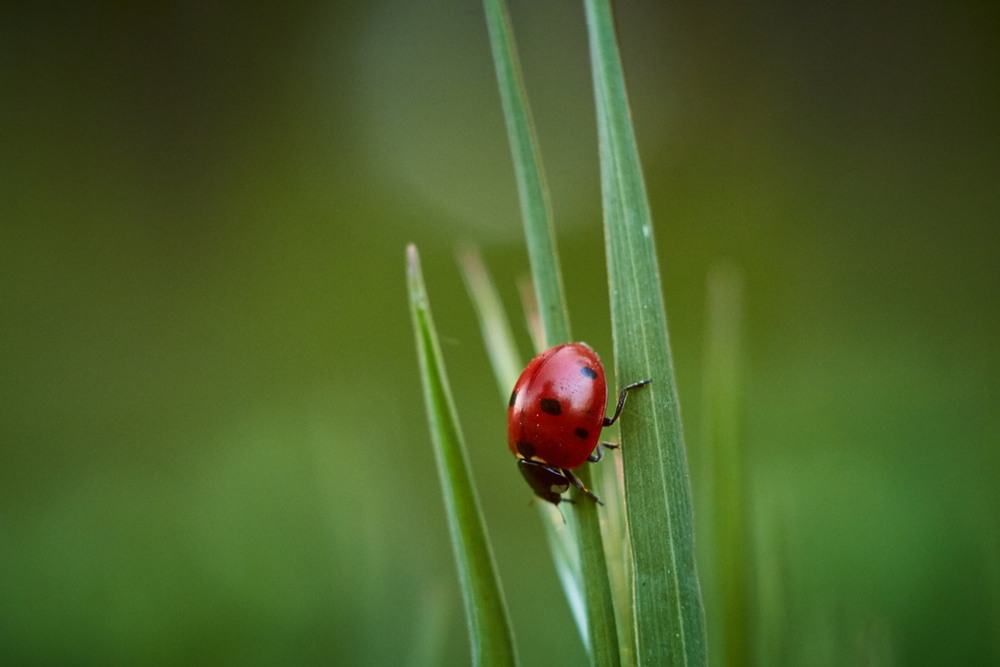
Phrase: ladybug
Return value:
(555, 416)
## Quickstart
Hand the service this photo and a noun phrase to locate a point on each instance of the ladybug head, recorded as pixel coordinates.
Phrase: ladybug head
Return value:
(548, 483)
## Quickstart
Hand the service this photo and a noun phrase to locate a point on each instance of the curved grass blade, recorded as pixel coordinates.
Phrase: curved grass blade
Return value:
(536, 210)
(600, 634)
(669, 620)
(502, 351)
(486, 613)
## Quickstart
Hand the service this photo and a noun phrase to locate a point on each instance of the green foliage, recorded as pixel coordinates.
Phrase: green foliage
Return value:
(213, 448)
(667, 626)
(669, 621)
(600, 633)
(536, 211)
(500, 346)
(489, 629)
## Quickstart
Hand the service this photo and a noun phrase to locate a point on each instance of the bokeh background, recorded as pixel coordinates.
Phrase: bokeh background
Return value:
(212, 441)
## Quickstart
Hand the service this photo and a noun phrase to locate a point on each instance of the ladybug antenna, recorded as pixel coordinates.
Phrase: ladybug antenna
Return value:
(561, 515)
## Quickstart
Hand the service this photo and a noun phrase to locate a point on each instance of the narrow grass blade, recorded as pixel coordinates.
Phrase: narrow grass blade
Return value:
(529, 304)
(489, 629)
(501, 349)
(600, 633)
(723, 476)
(493, 323)
(614, 525)
(536, 210)
(669, 620)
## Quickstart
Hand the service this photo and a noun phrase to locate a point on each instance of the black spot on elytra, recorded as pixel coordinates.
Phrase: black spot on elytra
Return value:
(581, 433)
(550, 405)
(589, 372)
(526, 449)
(513, 397)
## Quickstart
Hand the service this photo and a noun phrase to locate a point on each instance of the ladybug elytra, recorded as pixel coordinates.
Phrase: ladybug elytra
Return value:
(555, 417)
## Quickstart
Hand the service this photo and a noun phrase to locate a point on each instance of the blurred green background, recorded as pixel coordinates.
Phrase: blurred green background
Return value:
(212, 442)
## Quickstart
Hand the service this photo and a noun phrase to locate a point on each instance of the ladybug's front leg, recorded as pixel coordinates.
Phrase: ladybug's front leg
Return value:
(622, 395)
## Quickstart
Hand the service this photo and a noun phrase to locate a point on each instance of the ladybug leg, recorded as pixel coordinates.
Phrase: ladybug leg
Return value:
(575, 481)
(598, 452)
(622, 395)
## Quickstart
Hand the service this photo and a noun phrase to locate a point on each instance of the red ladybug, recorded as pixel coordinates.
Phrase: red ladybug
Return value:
(555, 417)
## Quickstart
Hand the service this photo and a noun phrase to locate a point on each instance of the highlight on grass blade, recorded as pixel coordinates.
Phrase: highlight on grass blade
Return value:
(493, 323)
(529, 304)
(489, 628)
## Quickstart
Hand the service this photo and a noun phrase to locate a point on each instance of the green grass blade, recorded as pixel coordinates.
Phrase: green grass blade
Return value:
(502, 351)
(600, 633)
(529, 304)
(602, 626)
(493, 323)
(489, 629)
(669, 620)
(614, 525)
(536, 211)
(726, 549)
